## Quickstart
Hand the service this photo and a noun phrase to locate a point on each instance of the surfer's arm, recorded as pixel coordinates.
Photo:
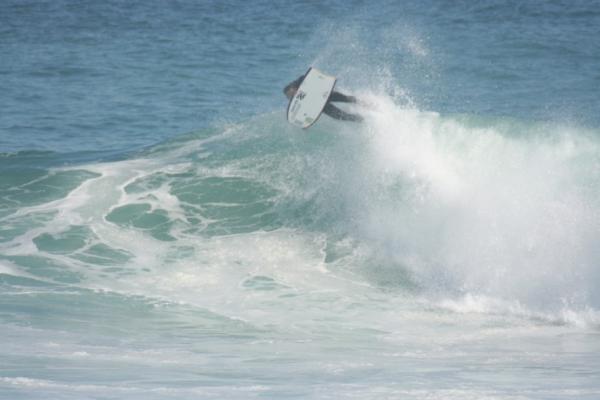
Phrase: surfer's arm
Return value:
(294, 84)
(336, 113)
(342, 98)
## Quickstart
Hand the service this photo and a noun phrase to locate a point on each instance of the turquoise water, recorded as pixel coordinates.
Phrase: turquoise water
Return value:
(164, 233)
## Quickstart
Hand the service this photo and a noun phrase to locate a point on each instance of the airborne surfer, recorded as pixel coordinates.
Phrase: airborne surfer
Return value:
(329, 109)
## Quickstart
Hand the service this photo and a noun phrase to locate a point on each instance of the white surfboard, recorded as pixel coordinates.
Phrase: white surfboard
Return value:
(307, 104)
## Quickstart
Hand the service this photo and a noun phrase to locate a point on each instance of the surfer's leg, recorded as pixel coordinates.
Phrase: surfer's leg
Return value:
(336, 113)
(342, 98)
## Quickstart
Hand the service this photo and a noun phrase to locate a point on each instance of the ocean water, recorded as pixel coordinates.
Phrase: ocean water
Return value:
(166, 234)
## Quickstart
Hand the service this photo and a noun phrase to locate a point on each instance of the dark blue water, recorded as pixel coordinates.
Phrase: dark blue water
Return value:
(95, 75)
(165, 233)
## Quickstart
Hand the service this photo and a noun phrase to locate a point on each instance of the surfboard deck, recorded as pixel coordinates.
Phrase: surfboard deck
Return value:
(306, 106)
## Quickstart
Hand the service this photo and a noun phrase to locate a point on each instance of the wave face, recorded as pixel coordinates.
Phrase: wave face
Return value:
(440, 207)
(280, 249)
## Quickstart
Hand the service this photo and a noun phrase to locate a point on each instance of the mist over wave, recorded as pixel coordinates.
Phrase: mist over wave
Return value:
(489, 208)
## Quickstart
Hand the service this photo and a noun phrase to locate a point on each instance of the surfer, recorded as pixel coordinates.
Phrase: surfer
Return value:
(331, 110)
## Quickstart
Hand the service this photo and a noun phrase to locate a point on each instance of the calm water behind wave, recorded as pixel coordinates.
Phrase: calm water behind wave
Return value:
(95, 75)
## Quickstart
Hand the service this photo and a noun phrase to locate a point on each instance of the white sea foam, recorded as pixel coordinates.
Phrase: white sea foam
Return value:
(513, 216)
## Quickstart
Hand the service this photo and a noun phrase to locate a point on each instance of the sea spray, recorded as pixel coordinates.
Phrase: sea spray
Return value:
(513, 215)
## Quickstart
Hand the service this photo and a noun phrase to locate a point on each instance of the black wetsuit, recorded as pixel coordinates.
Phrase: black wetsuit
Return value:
(329, 108)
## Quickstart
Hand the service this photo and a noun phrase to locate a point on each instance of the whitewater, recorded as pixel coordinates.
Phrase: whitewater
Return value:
(360, 261)
(439, 250)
